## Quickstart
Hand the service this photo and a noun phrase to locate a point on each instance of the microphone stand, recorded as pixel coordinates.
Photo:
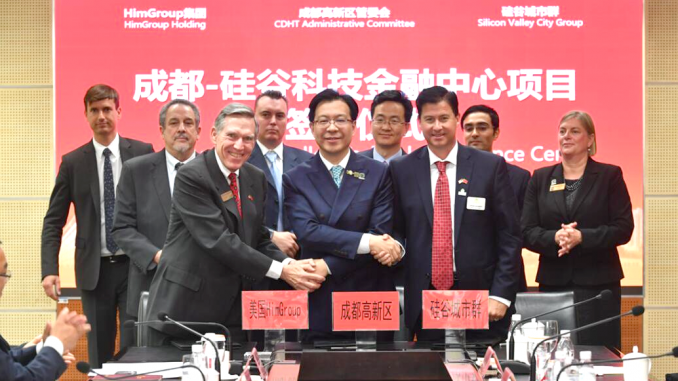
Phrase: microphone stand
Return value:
(164, 317)
(533, 366)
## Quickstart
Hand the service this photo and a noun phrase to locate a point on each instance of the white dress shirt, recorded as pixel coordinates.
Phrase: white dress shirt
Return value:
(116, 166)
(276, 268)
(171, 167)
(451, 171)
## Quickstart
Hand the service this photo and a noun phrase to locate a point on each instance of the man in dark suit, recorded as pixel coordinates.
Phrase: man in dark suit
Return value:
(144, 196)
(455, 208)
(391, 113)
(275, 158)
(341, 208)
(217, 244)
(480, 124)
(87, 178)
(43, 359)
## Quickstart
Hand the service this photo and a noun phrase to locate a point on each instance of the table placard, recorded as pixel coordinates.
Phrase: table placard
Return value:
(365, 311)
(463, 309)
(274, 310)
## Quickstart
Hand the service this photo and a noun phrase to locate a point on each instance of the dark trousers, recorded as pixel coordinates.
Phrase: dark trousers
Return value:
(608, 334)
(101, 307)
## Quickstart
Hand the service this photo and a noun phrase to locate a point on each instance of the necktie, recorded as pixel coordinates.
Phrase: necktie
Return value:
(234, 188)
(442, 260)
(109, 201)
(336, 174)
(178, 165)
(271, 156)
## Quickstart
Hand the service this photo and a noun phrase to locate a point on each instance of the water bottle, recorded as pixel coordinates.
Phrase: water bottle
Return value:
(558, 364)
(198, 359)
(514, 320)
(565, 345)
(586, 372)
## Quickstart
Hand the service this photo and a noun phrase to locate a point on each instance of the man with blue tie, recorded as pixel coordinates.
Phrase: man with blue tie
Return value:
(275, 158)
(340, 205)
(391, 113)
(455, 208)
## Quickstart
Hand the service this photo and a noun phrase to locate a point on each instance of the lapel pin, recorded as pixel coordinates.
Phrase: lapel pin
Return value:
(249, 197)
(462, 192)
(553, 182)
(462, 181)
(357, 175)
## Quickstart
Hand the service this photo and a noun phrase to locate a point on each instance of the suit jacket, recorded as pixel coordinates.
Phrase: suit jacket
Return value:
(370, 153)
(78, 183)
(291, 158)
(602, 210)
(23, 364)
(330, 222)
(519, 178)
(486, 242)
(211, 254)
(142, 211)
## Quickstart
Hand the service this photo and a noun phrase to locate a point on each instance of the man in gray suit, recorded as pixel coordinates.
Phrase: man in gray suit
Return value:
(142, 208)
(217, 244)
(87, 178)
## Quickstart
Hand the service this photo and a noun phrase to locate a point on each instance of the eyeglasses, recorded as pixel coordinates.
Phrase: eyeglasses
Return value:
(393, 122)
(7, 275)
(339, 122)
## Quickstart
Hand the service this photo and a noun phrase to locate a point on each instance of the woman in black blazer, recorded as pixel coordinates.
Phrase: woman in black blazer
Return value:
(575, 215)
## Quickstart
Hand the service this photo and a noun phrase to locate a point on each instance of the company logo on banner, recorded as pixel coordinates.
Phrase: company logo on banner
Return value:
(466, 309)
(529, 17)
(153, 18)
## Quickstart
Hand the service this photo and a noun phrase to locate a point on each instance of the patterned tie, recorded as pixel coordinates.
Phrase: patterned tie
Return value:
(442, 260)
(109, 200)
(234, 188)
(271, 156)
(336, 174)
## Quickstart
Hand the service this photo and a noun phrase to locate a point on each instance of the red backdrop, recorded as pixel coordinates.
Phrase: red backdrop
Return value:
(531, 62)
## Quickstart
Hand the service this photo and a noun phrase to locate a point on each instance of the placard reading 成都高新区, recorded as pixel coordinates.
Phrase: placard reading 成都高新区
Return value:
(365, 311)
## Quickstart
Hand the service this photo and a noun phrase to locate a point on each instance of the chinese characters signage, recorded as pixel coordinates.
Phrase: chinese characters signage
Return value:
(274, 310)
(365, 311)
(455, 309)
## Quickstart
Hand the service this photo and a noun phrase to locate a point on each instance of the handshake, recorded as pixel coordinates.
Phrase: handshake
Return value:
(385, 249)
(309, 274)
(567, 238)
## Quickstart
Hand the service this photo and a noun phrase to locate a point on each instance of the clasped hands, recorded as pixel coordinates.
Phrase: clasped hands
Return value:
(567, 238)
(68, 328)
(385, 249)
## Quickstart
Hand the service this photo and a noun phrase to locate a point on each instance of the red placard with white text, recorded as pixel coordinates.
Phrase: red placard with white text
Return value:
(274, 310)
(531, 61)
(365, 311)
(467, 309)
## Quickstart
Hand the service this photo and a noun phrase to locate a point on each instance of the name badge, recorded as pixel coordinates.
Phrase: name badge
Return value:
(226, 196)
(557, 187)
(475, 203)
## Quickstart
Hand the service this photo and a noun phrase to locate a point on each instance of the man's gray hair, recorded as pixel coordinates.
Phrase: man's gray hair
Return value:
(235, 109)
(166, 107)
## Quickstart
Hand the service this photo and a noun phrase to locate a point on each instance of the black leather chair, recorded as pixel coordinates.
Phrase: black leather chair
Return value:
(142, 329)
(529, 304)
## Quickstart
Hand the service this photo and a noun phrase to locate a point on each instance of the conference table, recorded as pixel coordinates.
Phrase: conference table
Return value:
(390, 361)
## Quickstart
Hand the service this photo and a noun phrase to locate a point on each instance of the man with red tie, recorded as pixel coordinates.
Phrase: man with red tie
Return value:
(455, 209)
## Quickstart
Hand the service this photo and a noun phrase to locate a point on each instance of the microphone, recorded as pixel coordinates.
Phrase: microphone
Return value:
(85, 368)
(635, 311)
(674, 353)
(165, 318)
(229, 344)
(604, 295)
